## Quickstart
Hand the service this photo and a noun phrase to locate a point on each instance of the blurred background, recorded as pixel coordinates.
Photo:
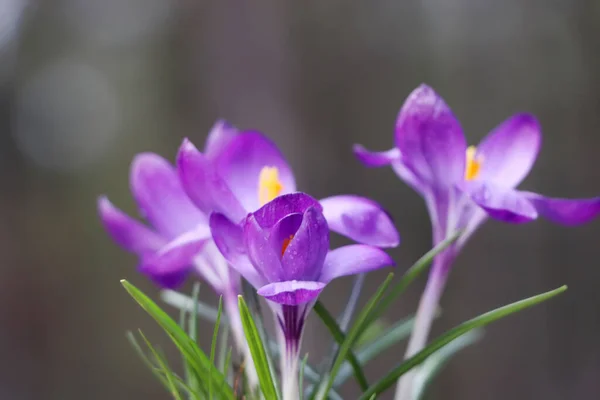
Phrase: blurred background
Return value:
(87, 84)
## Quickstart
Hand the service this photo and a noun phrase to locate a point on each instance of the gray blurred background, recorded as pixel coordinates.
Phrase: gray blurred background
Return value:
(86, 84)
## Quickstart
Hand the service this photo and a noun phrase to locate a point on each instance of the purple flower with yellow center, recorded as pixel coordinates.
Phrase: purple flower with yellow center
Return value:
(282, 249)
(463, 185)
(178, 239)
(241, 171)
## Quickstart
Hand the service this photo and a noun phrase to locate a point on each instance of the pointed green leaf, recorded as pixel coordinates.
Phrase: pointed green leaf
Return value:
(340, 337)
(257, 350)
(358, 327)
(436, 362)
(485, 319)
(199, 362)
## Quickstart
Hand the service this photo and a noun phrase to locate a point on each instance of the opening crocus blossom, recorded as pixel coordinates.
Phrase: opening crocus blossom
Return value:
(241, 171)
(282, 249)
(463, 185)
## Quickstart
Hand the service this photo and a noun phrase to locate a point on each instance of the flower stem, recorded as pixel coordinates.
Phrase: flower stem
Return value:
(423, 320)
(291, 322)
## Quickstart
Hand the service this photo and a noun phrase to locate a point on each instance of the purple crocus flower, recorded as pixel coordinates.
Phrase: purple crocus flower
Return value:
(463, 185)
(282, 249)
(241, 171)
(178, 240)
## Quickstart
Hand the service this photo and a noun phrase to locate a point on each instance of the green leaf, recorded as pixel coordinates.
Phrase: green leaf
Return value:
(213, 346)
(138, 349)
(436, 362)
(394, 334)
(485, 319)
(183, 302)
(200, 364)
(357, 328)
(164, 368)
(409, 276)
(190, 378)
(339, 337)
(257, 350)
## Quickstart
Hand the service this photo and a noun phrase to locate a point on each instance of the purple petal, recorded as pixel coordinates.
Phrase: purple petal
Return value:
(507, 205)
(509, 151)
(262, 254)
(269, 214)
(218, 138)
(126, 231)
(170, 280)
(360, 219)
(204, 185)
(304, 256)
(353, 259)
(229, 239)
(241, 163)
(162, 200)
(431, 139)
(375, 159)
(176, 255)
(284, 230)
(292, 293)
(565, 211)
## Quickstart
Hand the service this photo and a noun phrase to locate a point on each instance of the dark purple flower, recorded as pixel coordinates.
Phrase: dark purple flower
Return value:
(282, 249)
(463, 185)
(241, 171)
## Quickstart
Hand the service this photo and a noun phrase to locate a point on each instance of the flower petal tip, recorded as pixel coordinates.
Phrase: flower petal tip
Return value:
(292, 293)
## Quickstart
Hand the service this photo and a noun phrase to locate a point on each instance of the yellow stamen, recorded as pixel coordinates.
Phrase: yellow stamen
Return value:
(473, 164)
(286, 243)
(269, 185)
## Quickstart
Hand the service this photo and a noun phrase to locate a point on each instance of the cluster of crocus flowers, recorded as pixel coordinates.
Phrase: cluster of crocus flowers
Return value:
(463, 186)
(272, 235)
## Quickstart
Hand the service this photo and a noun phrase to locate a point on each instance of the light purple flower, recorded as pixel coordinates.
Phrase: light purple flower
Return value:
(241, 171)
(463, 185)
(282, 249)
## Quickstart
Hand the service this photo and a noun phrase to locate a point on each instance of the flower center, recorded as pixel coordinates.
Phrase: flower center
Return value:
(269, 185)
(473, 164)
(286, 243)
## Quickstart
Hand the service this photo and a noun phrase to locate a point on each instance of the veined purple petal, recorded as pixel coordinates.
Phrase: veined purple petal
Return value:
(375, 159)
(304, 256)
(360, 219)
(229, 239)
(353, 259)
(242, 161)
(269, 214)
(162, 200)
(292, 293)
(431, 139)
(262, 254)
(204, 185)
(218, 138)
(175, 259)
(126, 231)
(507, 205)
(509, 151)
(565, 211)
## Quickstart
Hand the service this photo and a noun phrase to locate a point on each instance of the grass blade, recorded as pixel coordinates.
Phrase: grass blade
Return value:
(340, 337)
(162, 364)
(301, 376)
(199, 362)
(357, 328)
(484, 319)
(257, 349)
(436, 362)
(183, 302)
